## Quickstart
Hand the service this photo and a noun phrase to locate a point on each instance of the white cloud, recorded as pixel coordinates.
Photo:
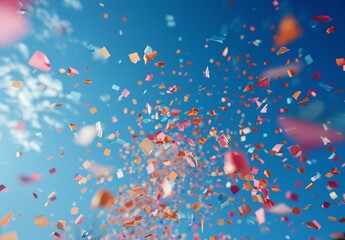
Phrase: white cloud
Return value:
(29, 104)
(53, 24)
(23, 49)
(75, 4)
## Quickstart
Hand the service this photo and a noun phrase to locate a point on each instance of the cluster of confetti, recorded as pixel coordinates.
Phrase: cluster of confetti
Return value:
(237, 136)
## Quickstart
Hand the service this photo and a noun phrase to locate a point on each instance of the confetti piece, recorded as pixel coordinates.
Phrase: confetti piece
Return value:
(235, 162)
(260, 216)
(282, 50)
(79, 220)
(244, 210)
(107, 152)
(322, 18)
(16, 84)
(263, 82)
(41, 221)
(206, 73)
(288, 31)
(9, 236)
(125, 93)
(134, 57)
(5, 220)
(225, 52)
(40, 61)
(305, 133)
(313, 224)
(340, 62)
(102, 199)
(146, 146)
(104, 52)
(73, 71)
(61, 224)
(74, 211)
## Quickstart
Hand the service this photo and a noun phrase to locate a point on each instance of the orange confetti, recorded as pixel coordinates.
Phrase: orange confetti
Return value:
(288, 31)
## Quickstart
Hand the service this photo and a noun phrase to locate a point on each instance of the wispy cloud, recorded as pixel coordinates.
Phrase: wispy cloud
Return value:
(52, 24)
(75, 4)
(27, 110)
(23, 49)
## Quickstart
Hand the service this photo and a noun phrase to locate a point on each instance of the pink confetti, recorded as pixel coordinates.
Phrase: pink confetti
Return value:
(125, 93)
(40, 61)
(73, 71)
(235, 162)
(260, 216)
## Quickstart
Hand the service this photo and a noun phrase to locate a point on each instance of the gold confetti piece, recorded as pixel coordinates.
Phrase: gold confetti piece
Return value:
(225, 52)
(41, 221)
(104, 52)
(72, 127)
(87, 164)
(333, 195)
(296, 95)
(16, 84)
(309, 186)
(247, 186)
(74, 211)
(6, 219)
(9, 236)
(87, 81)
(107, 152)
(172, 175)
(220, 222)
(134, 57)
(93, 110)
(196, 206)
(275, 188)
(103, 226)
(146, 146)
(62, 70)
(340, 62)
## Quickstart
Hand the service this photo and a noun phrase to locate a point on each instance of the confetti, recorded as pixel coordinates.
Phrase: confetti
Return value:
(181, 128)
(40, 61)
(134, 57)
(104, 52)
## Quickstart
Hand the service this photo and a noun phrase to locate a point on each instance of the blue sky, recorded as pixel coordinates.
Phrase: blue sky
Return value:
(70, 32)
